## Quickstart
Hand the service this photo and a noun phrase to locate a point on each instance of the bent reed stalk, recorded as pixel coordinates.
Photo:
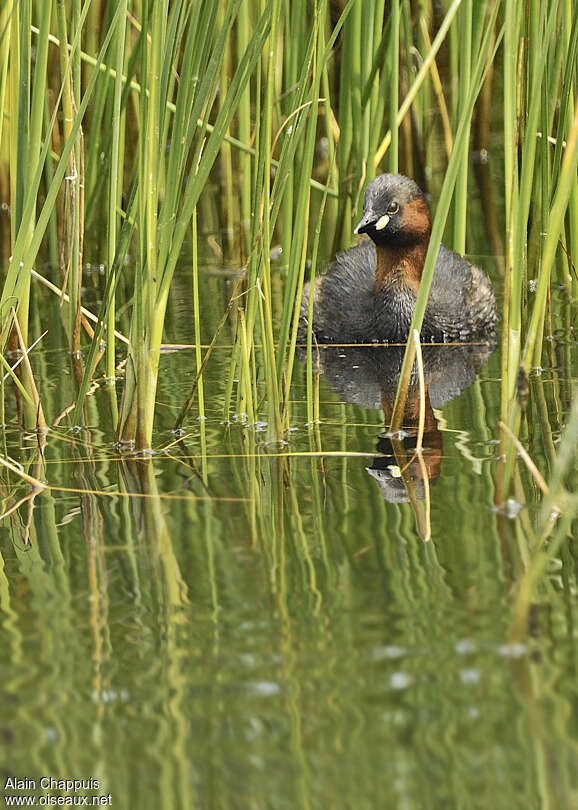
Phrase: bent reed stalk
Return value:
(309, 114)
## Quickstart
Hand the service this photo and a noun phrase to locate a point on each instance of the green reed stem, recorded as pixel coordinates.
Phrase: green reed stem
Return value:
(566, 115)
(197, 317)
(115, 185)
(244, 125)
(419, 79)
(394, 87)
(313, 378)
(543, 37)
(566, 184)
(6, 11)
(465, 67)
(265, 259)
(19, 142)
(297, 269)
(137, 409)
(247, 397)
(242, 146)
(485, 56)
(24, 250)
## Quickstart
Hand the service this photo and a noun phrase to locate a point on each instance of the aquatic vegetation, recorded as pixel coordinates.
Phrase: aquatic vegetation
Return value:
(258, 571)
(116, 120)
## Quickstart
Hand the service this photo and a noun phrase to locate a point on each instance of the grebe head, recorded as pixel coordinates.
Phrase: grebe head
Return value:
(395, 212)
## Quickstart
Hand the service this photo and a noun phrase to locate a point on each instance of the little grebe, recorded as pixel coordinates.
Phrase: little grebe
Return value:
(369, 292)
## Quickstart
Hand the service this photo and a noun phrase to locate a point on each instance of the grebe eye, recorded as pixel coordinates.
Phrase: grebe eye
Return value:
(392, 208)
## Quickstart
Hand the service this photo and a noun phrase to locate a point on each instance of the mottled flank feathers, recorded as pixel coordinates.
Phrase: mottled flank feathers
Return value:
(346, 308)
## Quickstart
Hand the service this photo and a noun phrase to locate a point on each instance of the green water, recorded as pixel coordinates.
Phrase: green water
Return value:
(240, 624)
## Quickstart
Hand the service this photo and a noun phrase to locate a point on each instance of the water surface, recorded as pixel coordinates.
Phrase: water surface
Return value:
(240, 624)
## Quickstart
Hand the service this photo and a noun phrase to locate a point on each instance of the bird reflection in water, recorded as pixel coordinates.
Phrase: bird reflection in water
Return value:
(368, 376)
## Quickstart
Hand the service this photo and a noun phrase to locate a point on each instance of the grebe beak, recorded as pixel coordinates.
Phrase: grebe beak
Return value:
(370, 220)
(367, 221)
